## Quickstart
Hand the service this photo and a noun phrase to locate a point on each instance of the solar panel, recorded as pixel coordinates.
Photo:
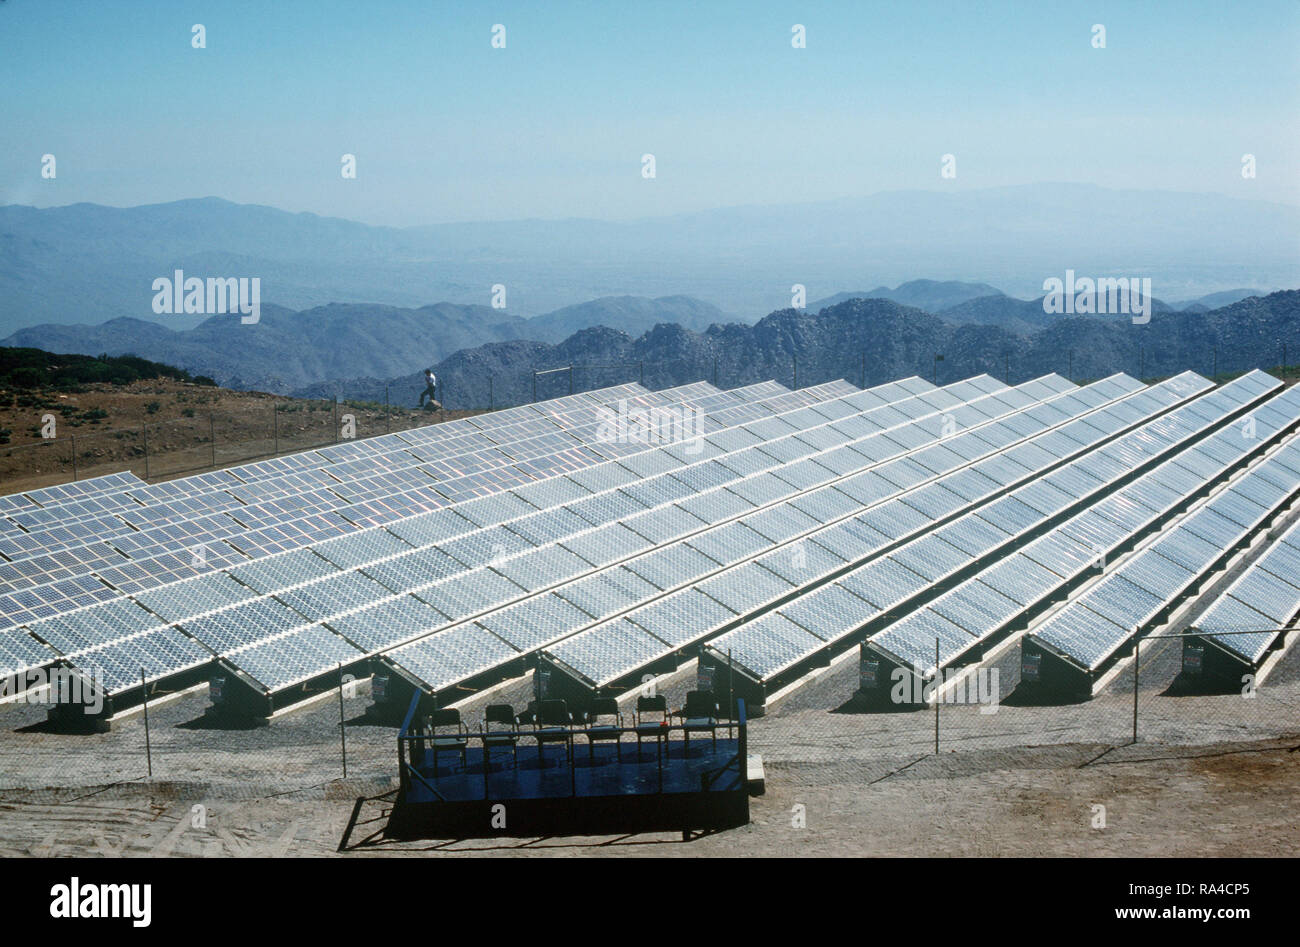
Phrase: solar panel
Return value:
(388, 622)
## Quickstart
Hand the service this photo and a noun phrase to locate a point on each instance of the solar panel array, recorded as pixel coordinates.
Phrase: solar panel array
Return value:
(190, 598)
(767, 646)
(1091, 628)
(1262, 600)
(795, 520)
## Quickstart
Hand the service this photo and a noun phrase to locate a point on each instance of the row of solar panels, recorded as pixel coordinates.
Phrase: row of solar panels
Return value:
(204, 550)
(1090, 629)
(766, 647)
(1264, 599)
(63, 494)
(208, 592)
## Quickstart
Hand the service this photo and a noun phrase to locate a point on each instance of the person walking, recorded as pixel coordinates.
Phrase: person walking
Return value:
(430, 387)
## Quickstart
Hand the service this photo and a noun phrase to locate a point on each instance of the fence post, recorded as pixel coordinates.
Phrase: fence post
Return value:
(144, 699)
(1137, 660)
(936, 696)
(534, 386)
(212, 436)
(492, 398)
(343, 739)
(715, 371)
(570, 379)
(863, 382)
(796, 372)
(641, 363)
(144, 431)
(388, 418)
(74, 458)
(334, 412)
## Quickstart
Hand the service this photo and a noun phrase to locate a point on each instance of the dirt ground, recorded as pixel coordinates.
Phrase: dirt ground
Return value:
(1210, 775)
(1222, 799)
(185, 427)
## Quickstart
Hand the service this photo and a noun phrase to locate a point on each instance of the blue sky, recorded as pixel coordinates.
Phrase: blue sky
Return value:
(446, 128)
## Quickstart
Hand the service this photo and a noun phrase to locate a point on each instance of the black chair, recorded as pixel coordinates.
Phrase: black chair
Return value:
(699, 715)
(500, 728)
(597, 731)
(657, 727)
(455, 739)
(551, 724)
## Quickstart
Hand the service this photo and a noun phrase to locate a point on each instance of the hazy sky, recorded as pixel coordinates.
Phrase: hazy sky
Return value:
(444, 127)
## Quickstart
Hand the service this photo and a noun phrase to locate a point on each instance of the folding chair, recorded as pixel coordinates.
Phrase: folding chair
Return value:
(699, 715)
(500, 728)
(596, 731)
(457, 740)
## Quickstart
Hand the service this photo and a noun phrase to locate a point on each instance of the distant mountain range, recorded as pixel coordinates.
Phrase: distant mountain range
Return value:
(981, 304)
(86, 263)
(865, 341)
(349, 347)
(287, 350)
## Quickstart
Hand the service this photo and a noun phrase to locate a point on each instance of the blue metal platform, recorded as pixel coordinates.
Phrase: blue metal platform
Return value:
(570, 786)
